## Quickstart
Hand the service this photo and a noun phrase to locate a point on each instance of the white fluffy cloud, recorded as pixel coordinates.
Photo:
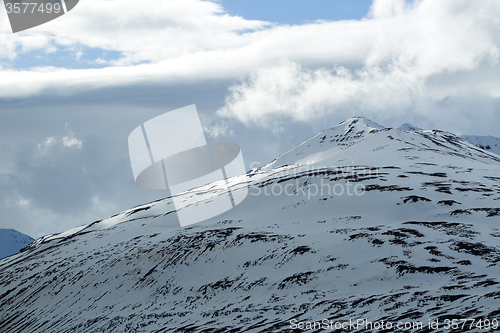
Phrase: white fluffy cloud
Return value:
(168, 41)
(288, 90)
(72, 142)
(399, 47)
(414, 44)
(49, 142)
(68, 141)
(146, 31)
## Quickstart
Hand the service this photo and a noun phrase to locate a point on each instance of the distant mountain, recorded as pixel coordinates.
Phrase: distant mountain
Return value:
(489, 143)
(11, 241)
(409, 127)
(360, 222)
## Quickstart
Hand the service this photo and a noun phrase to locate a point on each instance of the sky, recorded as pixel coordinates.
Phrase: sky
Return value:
(266, 75)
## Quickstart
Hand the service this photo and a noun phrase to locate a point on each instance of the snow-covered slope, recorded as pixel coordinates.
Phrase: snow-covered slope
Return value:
(359, 222)
(11, 241)
(487, 142)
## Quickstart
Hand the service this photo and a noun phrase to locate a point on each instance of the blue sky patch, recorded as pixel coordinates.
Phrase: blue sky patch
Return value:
(78, 57)
(297, 11)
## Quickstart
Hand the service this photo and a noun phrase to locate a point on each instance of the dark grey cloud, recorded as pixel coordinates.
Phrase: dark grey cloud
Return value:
(47, 187)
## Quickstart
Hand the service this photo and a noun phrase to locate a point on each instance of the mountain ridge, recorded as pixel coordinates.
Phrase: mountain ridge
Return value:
(415, 241)
(354, 131)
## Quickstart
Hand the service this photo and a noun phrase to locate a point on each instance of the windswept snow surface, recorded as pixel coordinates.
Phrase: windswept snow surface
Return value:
(11, 241)
(358, 222)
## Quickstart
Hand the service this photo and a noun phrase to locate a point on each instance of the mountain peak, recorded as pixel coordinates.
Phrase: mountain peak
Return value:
(361, 141)
(359, 122)
(409, 127)
(338, 137)
(11, 241)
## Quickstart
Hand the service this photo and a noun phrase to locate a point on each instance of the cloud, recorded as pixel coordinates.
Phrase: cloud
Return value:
(167, 41)
(289, 91)
(49, 142)
(149, 31)
(58, 184)
(415, 43)
(48, 187)
(174, 42)
(70, 141)
(216, 129)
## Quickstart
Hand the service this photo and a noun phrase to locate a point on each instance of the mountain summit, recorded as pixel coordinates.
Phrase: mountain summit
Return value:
(361, 141)
(360, 223)
(11, 241)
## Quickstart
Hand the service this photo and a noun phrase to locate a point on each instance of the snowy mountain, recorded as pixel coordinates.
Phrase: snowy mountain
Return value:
(11, 241)
(409, 127)
(360, 222)
(489, 143)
